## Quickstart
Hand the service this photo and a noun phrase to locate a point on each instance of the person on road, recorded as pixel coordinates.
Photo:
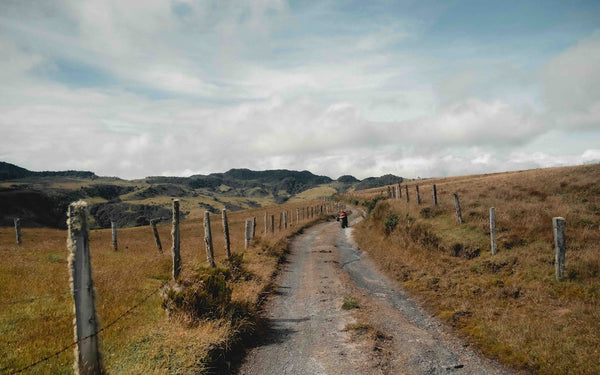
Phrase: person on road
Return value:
(344, 219)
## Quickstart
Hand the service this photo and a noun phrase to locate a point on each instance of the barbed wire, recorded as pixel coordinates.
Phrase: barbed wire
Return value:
(33, 299)
(113, 322)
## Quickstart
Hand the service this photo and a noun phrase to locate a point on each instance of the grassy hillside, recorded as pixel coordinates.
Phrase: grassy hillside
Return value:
(36, 314)
(509, 304)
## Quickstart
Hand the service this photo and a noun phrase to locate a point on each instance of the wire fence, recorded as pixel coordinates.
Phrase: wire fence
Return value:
(33, 299)
(107, 326)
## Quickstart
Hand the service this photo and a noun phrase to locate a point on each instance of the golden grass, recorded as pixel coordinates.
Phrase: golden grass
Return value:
(314, 193)
(510, 304)
(145, 341)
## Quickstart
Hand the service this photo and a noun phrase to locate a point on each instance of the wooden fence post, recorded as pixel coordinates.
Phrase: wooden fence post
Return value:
(435, 195)
(226, 232)
(113, 227)
(558, 224)
(87, 356)
(285, 219)
(266, 223)
(18, 230)
(156, 236)
(210, 253)
(406, 191)
(399, 191)
(247, 234)
(493, 229)
(457, 205)
(175, 236)
(297, 216)
(253, 233)
(418, 195)
(272, 224)
(280, 221)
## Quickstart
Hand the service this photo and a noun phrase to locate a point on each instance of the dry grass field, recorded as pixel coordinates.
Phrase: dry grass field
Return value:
(509, 305)
(36, 311)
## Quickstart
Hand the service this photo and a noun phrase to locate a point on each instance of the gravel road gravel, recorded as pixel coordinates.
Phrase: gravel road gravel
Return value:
(310, 332)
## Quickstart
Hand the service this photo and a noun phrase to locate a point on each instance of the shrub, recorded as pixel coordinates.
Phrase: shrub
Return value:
(206, 295)
(371, 203)
(390, 223)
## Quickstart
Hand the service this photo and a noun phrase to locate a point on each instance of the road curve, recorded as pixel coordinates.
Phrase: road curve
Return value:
(310, 333)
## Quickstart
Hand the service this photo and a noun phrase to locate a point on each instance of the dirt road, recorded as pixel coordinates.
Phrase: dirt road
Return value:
(310, 332)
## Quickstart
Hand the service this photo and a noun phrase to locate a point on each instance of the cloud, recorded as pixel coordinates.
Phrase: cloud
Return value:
(187, 87)
(571, 85)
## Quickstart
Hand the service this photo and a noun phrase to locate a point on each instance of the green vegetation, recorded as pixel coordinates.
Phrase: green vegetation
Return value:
(350, 303)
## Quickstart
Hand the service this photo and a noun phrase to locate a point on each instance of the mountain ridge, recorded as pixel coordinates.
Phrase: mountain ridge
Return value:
(42, 198)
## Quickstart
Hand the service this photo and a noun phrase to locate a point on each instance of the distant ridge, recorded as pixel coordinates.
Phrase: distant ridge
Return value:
(42, 198)
(10, 171)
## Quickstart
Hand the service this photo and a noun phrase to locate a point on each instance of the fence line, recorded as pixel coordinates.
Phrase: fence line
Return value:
(177, 267)
(558, 224)
(113, 322)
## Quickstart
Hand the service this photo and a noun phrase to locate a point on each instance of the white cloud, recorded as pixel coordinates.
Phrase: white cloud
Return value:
(200, 87)
(571, 83)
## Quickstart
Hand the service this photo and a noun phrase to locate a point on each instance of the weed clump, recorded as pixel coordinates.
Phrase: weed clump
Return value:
(350, 303)
(205, 295)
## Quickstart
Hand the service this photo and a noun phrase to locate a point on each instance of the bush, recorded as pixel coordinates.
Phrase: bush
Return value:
(206, 295)
(390, 223)
(371, 203)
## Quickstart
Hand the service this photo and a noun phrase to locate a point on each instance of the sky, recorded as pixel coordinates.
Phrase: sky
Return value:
(414, 88)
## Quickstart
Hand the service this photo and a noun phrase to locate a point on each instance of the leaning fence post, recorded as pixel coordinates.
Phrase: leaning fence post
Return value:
(226, 233)
(156, 236)
(558, 224)
(435, 195)
(493, 229)
(175, 237)
(113, 227)
(210, 253)
(18, 230)
(418, 195)
(457, 205)
(247, 234)
(285, 221)
(87, 355)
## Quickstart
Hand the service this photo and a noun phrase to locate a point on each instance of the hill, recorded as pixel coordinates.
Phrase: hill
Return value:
(509, 303)
(41, 199)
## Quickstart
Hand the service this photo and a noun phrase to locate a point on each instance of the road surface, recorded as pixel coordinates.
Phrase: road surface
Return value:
(310, 333)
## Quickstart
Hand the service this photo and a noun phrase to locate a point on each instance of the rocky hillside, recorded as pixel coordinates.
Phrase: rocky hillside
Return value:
(42, 198)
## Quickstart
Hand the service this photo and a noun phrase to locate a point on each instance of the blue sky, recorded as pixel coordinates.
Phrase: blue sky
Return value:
(413, 88)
